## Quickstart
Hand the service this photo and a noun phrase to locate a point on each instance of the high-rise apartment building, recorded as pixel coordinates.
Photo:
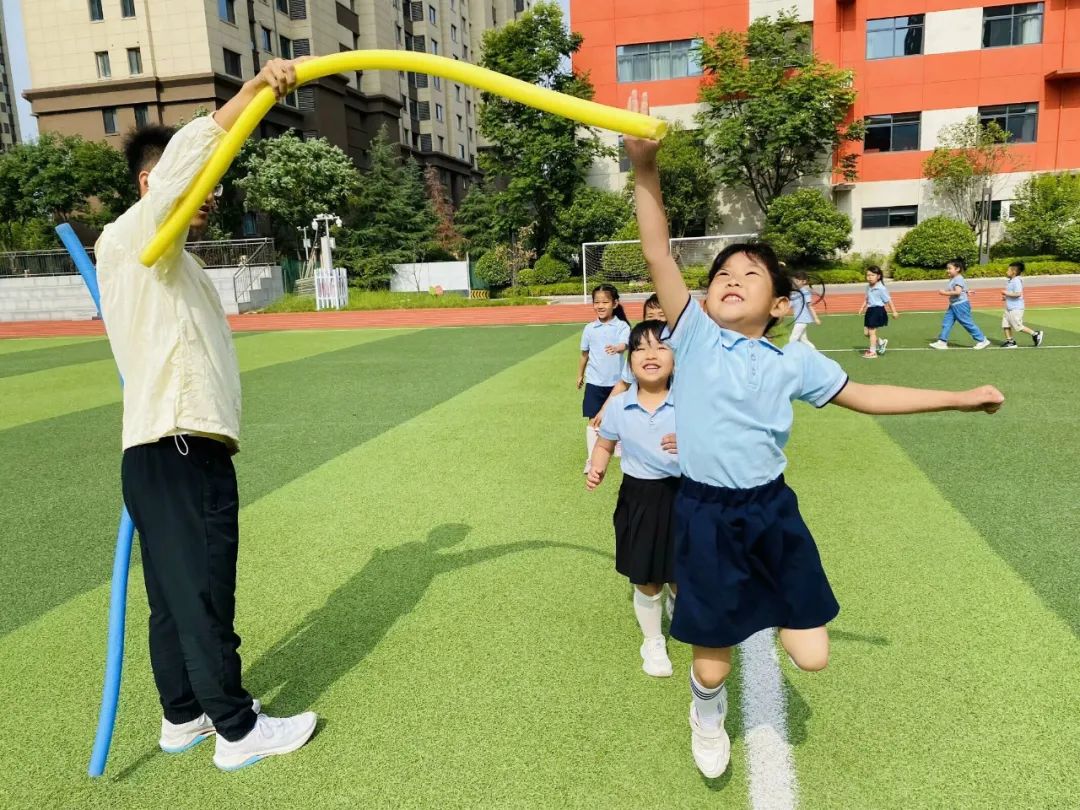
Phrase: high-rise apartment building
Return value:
(9, 116)
(100, 67)
(919, 65)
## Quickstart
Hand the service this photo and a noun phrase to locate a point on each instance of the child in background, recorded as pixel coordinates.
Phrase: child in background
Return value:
(877, 298)
(802, 305)
(650, 311)
(643, 420)
(744, 559)
(1013, 318)
(602, 344)
(959, 308)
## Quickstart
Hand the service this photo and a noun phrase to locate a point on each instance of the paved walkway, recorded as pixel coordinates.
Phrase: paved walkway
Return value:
(840, 300)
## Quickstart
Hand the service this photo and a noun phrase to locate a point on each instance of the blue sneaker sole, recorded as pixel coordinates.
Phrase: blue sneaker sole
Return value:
(187, 747)
(246, 763)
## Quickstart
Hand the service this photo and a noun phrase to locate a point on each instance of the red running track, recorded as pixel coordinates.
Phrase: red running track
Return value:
(840, 303)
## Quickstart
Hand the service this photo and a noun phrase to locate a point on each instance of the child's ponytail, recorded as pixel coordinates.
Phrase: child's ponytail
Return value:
(620, 313)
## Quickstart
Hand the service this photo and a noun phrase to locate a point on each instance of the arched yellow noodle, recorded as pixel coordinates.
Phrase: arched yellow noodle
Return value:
(587, 112)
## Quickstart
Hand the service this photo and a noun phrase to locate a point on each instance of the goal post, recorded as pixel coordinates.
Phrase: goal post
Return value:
(622, 263)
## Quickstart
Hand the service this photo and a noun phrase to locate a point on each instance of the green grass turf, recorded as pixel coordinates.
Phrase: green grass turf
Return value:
(371, 300)
(438, 585)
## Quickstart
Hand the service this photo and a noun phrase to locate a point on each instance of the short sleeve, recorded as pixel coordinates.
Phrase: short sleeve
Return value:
(609, 426)
(821, 377)
(627, 372)
(624, 332)
(585, 339)
(687, 328)
(885, 297)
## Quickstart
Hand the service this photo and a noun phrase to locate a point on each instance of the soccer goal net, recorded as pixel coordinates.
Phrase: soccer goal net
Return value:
(623, 264)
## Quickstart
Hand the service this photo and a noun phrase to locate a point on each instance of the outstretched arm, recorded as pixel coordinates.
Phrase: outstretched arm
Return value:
(652, 220)
(892, 399)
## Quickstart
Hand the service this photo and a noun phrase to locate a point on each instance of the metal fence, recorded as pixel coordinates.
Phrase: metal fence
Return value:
(228, 253)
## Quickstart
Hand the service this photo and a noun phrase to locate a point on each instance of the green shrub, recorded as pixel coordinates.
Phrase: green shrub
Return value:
(547, 270)
(806, 227)
(935, 242)
(1069, 243)
(624, 262)
(493, 268)
(995, 269)
(838, 275)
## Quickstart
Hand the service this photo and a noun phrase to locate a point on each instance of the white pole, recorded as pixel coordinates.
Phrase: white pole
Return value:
(584, 274)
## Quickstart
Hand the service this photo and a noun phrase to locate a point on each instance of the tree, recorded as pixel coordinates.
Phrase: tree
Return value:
(542, 158)
(689, 182)
(963, 171)
(293, 180)
(390, 220)
(805, 227)
(446, 235)
(935, 242)
(1046, 205)
(480, 220)
(774, 112)
(593, 216)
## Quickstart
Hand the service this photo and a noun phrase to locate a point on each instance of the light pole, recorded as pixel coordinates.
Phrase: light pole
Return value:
(327, 243)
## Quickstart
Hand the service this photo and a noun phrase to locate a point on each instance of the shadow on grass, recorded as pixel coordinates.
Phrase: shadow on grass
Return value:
(337, 637)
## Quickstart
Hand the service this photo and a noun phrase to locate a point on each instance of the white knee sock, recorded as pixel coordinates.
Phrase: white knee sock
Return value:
(669, 605)
(711, 704)
(648, 611)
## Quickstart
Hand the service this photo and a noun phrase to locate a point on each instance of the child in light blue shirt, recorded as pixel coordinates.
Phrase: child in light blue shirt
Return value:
(802, 306)
(959, 309)
(1013, 319)
(745, 560)
(876, 317)
(602, 345)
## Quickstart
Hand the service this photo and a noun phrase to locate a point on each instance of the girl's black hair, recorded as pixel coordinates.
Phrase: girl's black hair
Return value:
(959, 263)
(652, 301)
(763, 254)
(873, 268)
(1018, 265)
(639, 336)
(612, 293)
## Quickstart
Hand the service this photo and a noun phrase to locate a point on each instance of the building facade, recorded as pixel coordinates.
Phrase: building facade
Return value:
(101, 67)
(9, 115)
(919, 66)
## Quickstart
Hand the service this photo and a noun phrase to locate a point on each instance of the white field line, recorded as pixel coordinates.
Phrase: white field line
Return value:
(773, 785)
(951, 348)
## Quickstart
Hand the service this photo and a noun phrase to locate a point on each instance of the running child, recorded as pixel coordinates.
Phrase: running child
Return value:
(650, 311)
(802, 305)
(744, 559)
(602, 345)
(643, 420)
(959, 309)
(1013, 319)
(877, 298)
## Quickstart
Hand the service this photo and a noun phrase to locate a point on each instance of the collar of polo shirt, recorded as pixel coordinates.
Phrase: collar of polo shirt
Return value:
(731, 339)
(631, 398)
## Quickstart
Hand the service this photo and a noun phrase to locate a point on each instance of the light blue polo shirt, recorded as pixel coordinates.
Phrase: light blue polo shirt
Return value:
(627, 372)
(735, 394)
(640, 432)
(877, 295)
(604, 369)
(954, 283)
(1015, 285)
(800, 305)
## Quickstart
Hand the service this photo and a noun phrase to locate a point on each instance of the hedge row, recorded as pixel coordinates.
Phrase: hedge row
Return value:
(995, 269)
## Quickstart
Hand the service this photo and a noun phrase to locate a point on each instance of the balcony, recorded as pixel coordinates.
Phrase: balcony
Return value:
(1064, 74)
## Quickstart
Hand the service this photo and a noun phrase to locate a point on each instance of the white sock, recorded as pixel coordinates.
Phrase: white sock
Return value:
(711, 704)
(669, 606)
(591, 437)
(648, 611)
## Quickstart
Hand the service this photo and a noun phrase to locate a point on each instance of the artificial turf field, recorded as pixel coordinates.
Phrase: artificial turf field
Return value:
(421, 564)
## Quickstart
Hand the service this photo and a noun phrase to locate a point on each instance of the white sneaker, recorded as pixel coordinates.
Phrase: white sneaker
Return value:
(176, 738)
(711, 747)
(882, 345)
(939, 344)
(982, 344)
(271, 736)
(654, 658)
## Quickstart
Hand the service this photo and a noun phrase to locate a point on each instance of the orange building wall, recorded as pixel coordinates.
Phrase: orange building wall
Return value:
(908, 84)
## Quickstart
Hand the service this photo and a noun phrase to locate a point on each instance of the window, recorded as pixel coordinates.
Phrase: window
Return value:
(435, 46)
(285, 47)
(461, 150)
(108, 117)
(468, 107)
(127, 9)
(283, 6)
(1017, 24)
(442, 144)
(142, 115)
(439, 112)
(267, 40)
(453, 33)
(104, 69)
(233, 65)
(96, 12)
(464, 52)
(1020, 120)
(894, 36)
(897, 132)
(460, 122)
(457, 92)
(470, 134)
(898, 216)
(436, 82)
(432, 16)
(226, 10)
(134, 61)
(658, 60)
(995, 210)
(399, 39)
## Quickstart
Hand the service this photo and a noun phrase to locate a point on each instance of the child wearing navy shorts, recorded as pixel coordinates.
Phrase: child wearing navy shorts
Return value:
(876, 317)
(643, 420)
(744, 559)
(602, 345)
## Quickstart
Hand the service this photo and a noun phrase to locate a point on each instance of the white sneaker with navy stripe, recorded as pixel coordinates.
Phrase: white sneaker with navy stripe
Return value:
(711, 746)
(176, 738)
(271, 736)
